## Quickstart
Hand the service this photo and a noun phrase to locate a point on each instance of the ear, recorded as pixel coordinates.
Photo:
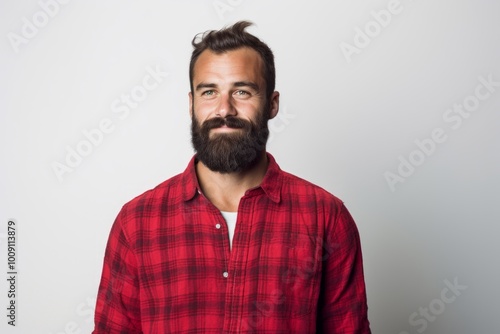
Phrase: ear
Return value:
(275, 105)
(190, 104)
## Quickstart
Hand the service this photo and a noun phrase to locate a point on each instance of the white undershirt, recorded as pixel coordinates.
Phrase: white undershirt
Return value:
(230, 218)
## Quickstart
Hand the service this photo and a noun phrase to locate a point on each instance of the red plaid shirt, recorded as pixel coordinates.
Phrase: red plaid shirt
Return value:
(295, 265)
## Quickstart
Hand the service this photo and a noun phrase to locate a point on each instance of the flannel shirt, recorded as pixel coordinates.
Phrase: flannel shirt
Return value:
(295, 265)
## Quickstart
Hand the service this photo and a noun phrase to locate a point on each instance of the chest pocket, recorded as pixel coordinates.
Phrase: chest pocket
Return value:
(291, 265)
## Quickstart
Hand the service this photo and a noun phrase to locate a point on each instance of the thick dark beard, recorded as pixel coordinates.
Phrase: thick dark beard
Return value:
(229, 152)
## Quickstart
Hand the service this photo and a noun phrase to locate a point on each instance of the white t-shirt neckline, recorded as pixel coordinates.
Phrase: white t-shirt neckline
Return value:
(230, 218)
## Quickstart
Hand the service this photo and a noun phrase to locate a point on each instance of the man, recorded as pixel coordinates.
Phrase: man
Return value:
(233, 244)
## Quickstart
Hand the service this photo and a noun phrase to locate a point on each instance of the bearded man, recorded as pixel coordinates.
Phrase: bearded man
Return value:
(233, 244)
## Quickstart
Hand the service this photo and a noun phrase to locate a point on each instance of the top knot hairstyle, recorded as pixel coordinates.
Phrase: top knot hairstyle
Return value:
(232, 38)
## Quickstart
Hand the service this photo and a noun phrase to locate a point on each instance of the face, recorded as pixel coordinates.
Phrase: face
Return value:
(229, 110)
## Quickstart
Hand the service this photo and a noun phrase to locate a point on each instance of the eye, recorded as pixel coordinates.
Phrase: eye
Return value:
(208, 93)
(242, 93)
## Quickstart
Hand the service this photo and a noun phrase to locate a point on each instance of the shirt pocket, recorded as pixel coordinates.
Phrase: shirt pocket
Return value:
(293, 268)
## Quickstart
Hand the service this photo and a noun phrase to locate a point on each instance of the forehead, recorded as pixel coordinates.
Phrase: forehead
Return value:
(240, 64)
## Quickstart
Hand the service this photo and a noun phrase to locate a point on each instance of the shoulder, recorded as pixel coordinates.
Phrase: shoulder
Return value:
(315, 205)
(293, 185)
(295, 188)
(151, 201)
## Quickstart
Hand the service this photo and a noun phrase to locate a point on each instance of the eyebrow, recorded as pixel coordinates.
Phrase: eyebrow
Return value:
(250, 84)
(205, 85)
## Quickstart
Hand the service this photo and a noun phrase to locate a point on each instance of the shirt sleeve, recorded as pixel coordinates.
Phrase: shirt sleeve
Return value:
(342, 305)
(117, 308)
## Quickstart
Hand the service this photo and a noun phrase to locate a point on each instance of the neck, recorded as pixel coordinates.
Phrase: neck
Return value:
(225, 190)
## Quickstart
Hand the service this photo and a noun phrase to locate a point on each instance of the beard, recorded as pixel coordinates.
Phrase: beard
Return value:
(233, 151)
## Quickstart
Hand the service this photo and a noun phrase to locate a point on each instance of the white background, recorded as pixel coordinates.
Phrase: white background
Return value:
(345, 121)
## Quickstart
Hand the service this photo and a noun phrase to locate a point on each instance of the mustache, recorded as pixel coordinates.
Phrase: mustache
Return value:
(230, 122)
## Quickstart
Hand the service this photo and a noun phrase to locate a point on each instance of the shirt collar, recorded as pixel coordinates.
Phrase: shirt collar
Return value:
(271, 184)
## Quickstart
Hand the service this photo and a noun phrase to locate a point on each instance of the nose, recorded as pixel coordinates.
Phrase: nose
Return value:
(226, 106)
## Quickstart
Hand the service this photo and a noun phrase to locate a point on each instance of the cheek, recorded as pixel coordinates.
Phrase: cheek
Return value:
(248, 108)
(203, 109)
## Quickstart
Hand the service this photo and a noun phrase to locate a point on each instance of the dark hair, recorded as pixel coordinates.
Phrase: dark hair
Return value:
(232, 38)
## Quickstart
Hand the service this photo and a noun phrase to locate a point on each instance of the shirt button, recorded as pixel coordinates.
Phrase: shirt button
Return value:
(217, 226)
(225, 274)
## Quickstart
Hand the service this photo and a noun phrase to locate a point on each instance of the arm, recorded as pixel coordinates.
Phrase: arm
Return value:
(342, 306)
(117, 308)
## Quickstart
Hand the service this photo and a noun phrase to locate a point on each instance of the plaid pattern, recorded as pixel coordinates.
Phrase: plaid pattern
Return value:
(295, 265)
